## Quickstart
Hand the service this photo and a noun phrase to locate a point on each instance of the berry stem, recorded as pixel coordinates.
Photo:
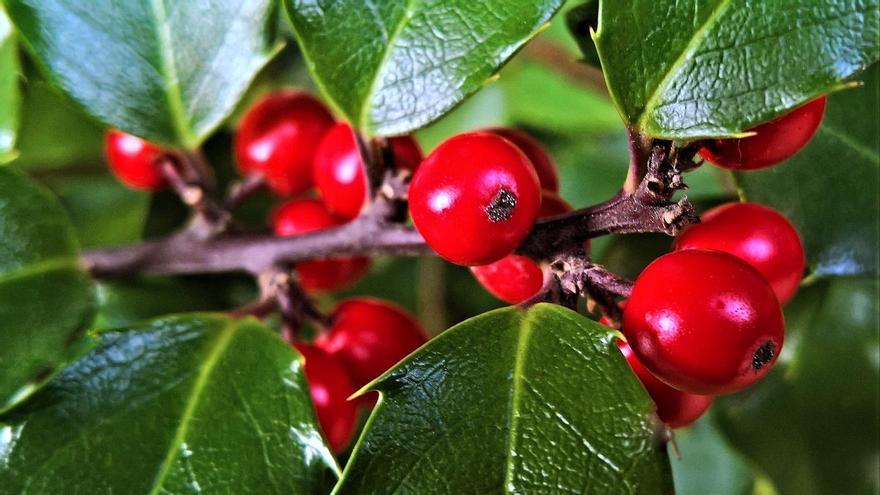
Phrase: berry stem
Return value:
(182, 175)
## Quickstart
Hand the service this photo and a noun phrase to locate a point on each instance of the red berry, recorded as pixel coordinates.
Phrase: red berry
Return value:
(757, 234)
(773, 142)
(278, 137)
(515, 278)
(370, 336)
(475, 198)
(300, 216)
(675, 408)
(536, 153)
(330, 388)
(133, 160)
(338, 169)
(704, 322)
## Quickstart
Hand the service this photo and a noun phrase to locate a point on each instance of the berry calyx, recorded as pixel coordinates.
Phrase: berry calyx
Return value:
(133, 161)
(330, 388)
(675, 408)
(300, 216)
(773, 142)
(338, 168)
(277, 138)
(759, 235)
(515, 278)
(704, 322)
(369, 336)
(535, 152)
(475, 198)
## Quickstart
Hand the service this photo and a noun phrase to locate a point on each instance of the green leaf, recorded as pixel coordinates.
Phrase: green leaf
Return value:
(829, 190)
(582, 20)
(392, 66)
(180, 405)
(10, 97)
(46, 300)
(515, 401)
(167, 71)
(708, 464)
(811, 425)
(705, 68)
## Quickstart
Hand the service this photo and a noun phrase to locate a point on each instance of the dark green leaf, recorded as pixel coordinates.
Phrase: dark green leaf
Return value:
(392, 66)
(829, 190)
(582, 21)
(166, 71)
(46, 300)
(10, 98)
(812, 424)
(717, 67)
(537, 401)
(184, 404)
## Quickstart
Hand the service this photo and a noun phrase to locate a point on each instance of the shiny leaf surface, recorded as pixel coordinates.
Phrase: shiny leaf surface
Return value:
(46, 300)
(184, 404)
(10, 97)
(703, 68)
(392, 66)
(829, 189)
(537, 401)
(166, 71)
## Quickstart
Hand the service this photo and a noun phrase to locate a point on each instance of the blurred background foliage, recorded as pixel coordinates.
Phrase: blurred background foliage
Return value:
(810, 428)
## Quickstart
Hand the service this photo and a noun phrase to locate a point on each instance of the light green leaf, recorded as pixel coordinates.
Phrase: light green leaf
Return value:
(46, 300)
(513, 401)
(10, 97)
(167, 71)
(701, 68)
(392, 66)
(183, 404)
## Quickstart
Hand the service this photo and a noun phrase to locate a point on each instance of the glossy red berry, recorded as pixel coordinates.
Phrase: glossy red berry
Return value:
(704, 322)
(544, 165)
(339, 173)
(515, 278)
(133, 160)
(675, 408)
(278, 137)
(773, 142)
(474, 198)
(300, 216)
(369, 336)
(757, 234)
(330, 388)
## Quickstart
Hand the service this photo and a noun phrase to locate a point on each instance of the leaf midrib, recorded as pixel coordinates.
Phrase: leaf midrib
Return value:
(40, 267)
(220, 346)
(169, 75)
(685, 54)
(525, 334)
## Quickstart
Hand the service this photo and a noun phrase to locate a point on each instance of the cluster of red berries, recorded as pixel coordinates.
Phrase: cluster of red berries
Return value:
(701, 321)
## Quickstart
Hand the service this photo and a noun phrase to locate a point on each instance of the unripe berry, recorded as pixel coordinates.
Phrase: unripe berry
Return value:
(515, 278)
(338, 168)
(277, 138)
(757, 234)
(133, 161)
(369, 336)
(773, 142)
(475, 198)
(544, 165)
(330, 388)
(704, 322)
(675, 408)
(300, 216)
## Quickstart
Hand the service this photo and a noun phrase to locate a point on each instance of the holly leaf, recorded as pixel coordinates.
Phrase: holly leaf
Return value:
(10, 97)
(169, 72)
(811, 425)
(704, 68)
(838, 168)
(46, 300)
(517, 401)
(182, 404)
(391, 67)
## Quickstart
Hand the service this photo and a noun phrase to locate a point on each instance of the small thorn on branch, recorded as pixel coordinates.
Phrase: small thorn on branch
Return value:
(185, 180)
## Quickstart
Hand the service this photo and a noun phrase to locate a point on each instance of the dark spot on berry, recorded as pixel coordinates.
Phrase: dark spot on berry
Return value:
(763, 355)
(501, 207)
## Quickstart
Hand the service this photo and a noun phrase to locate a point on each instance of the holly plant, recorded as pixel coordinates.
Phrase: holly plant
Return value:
(233, 235)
